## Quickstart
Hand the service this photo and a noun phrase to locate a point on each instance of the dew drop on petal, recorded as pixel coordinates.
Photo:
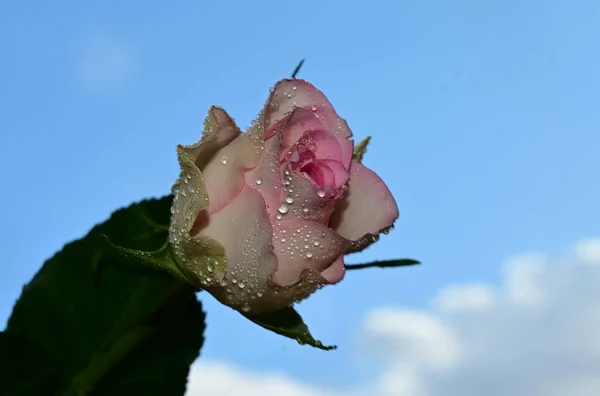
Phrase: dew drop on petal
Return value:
(289, 199)
(321, 193)
(241, 285)
(283, 208)
(309, 254)
(224, 160)
(279, 216)
(259, 181)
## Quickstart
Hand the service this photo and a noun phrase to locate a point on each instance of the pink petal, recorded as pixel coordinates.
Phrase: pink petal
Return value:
(244, 230)
(288, 94)
(367, 209)
(266, 177)
(323, 144)
(224, 174)
(301, 245)
(219, 131)
(335, 272)
(301, 201)
(337, 126)
(338, 175)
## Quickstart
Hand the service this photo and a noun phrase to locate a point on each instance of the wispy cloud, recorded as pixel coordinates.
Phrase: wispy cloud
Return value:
(104, 62)
(536, 334)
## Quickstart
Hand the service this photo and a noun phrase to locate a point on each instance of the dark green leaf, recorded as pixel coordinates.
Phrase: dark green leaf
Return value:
(110, 328)
(297, 69)
(161, 259)
(287, 322)
(383, 264)
(25, 368)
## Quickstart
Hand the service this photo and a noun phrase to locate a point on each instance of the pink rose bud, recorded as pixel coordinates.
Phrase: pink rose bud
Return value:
(262, 219)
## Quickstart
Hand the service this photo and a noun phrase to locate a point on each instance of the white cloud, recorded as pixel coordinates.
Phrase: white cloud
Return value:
(536, 335)
(104, 62)
(218, 379)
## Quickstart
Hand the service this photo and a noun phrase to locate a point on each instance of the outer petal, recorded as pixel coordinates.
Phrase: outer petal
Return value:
(266, 177)
(301, 245)
(367, 209)
(224, 174)
(288, 94)
(335, 272)
(219, 131)
(244, 230)
(201, 258)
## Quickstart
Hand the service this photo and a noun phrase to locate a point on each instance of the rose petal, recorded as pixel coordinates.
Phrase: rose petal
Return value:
(335, 272)
(336, 125)
(334, 174)
(219, 131)
(288, 94)
(284, 98)
(300, 199)
(194, 254)
(266, 177)
(323, 144)
(301, 245)
(244, 230)
(224, 175)
(367, 209)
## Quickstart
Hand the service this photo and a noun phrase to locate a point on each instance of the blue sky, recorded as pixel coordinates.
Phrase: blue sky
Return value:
(483, 115)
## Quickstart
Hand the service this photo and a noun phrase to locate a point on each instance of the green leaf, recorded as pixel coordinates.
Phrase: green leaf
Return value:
(287, 322)
(112, 329)
(25, 368)
(161, 259)
(384, 264)
(360, 149)
(297, 69)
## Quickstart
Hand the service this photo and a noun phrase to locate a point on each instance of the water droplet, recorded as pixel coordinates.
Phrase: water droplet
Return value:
(245, 308)
(259, 181)
(306, 246)
(283, 239)
(223, 282)
(309, 254)
(209, 268)
(224, 160)
(279, 216)
(234, 281)
(259, 294)
(305, 210)
(313, 108)
(241, 285)
(283, 208)
(316, 243)
(294, 87)
(321, 193)
(289, 199)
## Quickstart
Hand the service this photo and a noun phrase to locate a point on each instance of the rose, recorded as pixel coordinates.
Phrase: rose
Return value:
(262, 219)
